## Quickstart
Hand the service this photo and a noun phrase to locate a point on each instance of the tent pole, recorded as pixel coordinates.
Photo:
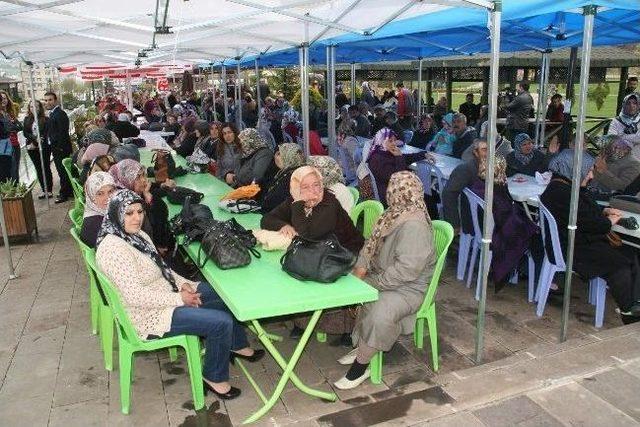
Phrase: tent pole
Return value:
(539, 104)
(544, 94)
(238, 108)
(60, 90)
(331, 98)
(487, 230)
(258, 98)
(129, 92)
(419, 103)
(225, 99)
(585, 63)
(213, 96)
(34, 109)
(353, 83)
(304, 92)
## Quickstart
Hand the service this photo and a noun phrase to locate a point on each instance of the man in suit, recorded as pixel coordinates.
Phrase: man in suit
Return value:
(59, 141)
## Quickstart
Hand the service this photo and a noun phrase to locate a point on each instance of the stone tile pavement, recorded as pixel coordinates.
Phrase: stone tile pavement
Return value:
(52, 372)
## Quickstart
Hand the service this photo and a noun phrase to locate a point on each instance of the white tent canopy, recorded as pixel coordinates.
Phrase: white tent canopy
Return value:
(86, 31)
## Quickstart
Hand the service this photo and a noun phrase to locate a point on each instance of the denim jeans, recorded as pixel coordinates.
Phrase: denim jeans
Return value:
(214, 322)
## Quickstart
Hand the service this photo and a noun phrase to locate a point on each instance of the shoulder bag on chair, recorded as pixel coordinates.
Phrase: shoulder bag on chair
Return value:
(317, 260)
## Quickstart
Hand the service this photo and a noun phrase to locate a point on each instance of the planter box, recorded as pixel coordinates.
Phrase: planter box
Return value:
(20, 215)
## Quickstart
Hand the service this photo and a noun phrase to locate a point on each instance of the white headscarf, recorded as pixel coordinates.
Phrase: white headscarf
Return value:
(95, 182)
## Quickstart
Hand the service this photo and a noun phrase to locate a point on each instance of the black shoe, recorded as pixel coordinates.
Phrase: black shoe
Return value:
(61, 200)
(231, 394)
(296, 333)
(257, 355)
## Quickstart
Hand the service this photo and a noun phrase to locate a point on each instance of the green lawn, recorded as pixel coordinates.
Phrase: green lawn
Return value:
(608, 108)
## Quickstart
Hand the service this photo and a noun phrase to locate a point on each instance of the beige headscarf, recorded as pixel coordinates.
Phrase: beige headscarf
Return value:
(499, 171)
(294, 185)
(405, 198)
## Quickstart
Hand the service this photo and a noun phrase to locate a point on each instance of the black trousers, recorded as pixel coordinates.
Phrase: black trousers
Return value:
(624, 283)
(34, 155)
(65, 185)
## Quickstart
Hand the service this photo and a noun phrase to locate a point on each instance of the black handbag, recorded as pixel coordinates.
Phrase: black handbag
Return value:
(317, 260)
(177, 195)
(193, 221)
(228, 245)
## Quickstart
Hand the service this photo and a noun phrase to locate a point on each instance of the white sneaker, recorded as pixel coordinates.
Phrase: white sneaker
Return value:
(345, 384)
(349, 358)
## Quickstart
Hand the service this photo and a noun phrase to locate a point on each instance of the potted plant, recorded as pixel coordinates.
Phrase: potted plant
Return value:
(19, 212)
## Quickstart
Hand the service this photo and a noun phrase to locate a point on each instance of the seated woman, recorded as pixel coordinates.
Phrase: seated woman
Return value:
(615, 167)
(513, 230)
(594, 256)
(288, 158)
(131, 175)
(228, 152)
(526, 159)
(313, 212)
(186, 140)
(347, 148)
(390, 262)
(384, 159)
(159, 302)
(627, 124)
(204, 142)
(98, 190)
(256, 164)
(442, 142)
(425, 132)
(333, 179)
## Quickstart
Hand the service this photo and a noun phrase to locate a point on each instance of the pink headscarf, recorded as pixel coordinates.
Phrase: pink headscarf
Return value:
(125, 172)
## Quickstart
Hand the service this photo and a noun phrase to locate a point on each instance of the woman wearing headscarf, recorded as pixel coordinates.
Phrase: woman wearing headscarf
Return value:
(383, 159)
(98, 191)
(442, 142)
(228, 152)
(333, 179)
(390, 262)
(256, 164)
(425, 132)
(186, 140)
(313, 212)
(348, 147)
(615, 168)
(131, 175)
(627, 124)
(161, 303)
(96, 143)
(288, 158)
(526, 159)
(513, 230)
(594, 256)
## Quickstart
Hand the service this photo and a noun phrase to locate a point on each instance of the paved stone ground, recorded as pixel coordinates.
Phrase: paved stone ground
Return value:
(52, 372)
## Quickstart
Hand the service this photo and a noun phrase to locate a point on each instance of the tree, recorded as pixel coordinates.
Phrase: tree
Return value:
(286, 81)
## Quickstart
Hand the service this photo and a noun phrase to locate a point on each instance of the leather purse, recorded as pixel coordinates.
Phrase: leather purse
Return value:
(321, 261)
(178, 195)
(163, 164)
(228, 245)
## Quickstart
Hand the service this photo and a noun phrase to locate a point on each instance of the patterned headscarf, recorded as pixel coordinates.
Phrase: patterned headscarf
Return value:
(617, 149)
(95, 150)
(251, 141)
(291, 155)
(405, 197)
(113, 223)
(421, 125)
(95, 182)
(631, 121)
(499, 170)
(378, 141)
(518, 141)
(562, 164)
(125, 172)
(329, 169)
(99, 135)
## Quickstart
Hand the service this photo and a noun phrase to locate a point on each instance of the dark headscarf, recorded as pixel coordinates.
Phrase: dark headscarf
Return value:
(113, 223)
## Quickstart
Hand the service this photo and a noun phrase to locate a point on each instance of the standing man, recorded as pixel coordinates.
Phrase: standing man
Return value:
(406, 106)
(632, 86)
(60, 142)
(470, 110)
(519, 110)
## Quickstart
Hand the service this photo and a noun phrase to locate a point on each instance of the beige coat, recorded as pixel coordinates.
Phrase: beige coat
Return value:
(145, 294)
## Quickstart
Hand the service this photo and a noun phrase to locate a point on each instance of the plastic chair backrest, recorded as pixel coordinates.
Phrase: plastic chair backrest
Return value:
(443, 234)
(475, 203)
(426, 172)
(355, 193)
(75, 215)
(372, 210)
(125, 327)
(548, 223)
(78, 191)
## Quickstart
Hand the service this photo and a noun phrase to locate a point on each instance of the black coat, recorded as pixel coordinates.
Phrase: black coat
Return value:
(277, 191)
(124, 130)
(58, 131)
(188, 145)
(28, 131)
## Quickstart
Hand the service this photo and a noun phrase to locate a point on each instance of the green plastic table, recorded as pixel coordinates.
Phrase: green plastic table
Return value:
(263, 290)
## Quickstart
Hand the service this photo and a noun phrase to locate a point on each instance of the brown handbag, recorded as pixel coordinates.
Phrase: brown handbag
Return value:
(613, 239)
(161, 165)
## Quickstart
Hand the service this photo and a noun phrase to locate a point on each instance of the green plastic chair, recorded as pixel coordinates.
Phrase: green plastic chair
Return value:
(443, 236)
(355, 193)
(78, 191)
(76, 216)
(372, 209)
(101, 317)
(129, 343)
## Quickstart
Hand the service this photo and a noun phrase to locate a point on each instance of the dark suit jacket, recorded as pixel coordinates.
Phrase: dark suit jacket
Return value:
(58, 131)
